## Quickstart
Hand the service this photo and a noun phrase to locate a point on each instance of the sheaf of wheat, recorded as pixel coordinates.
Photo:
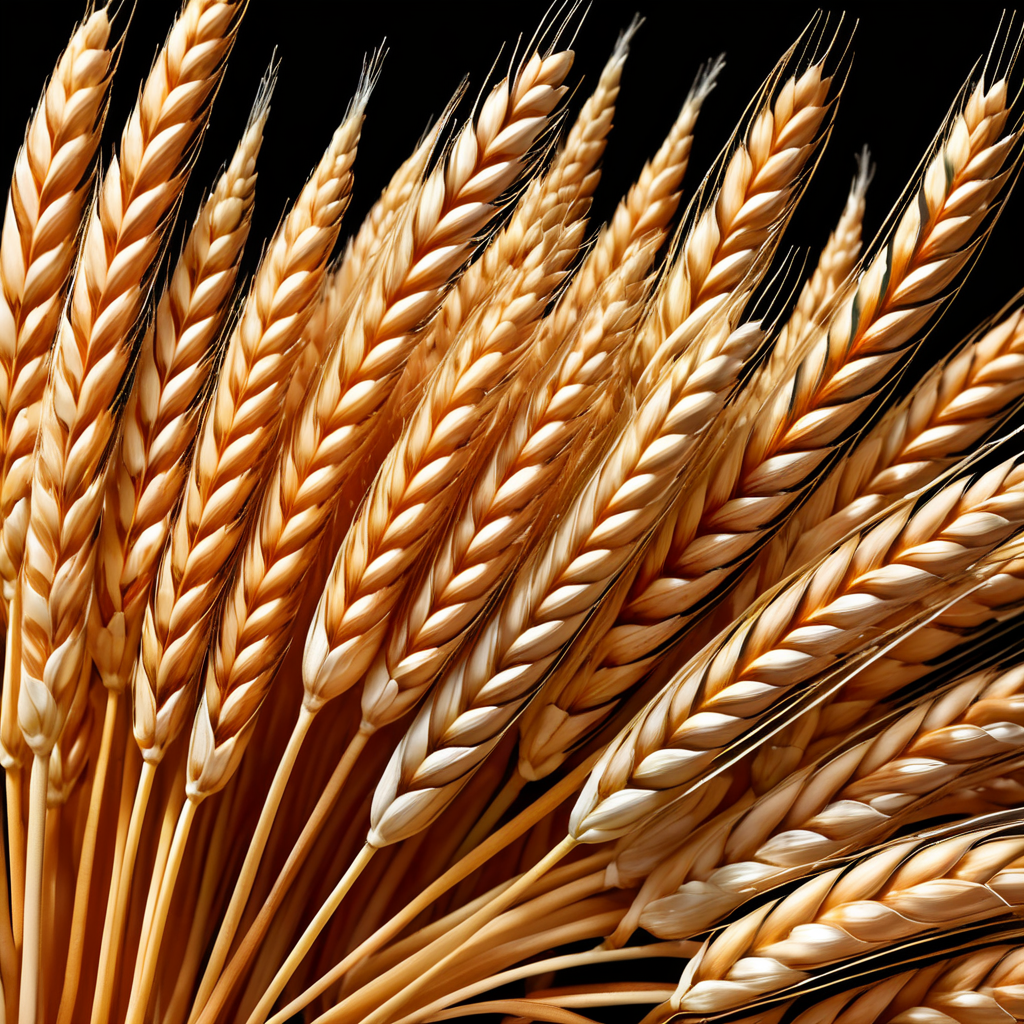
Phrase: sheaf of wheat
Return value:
(521, 602)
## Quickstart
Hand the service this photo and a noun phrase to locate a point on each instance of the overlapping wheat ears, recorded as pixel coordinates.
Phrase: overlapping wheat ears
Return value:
(493, 614)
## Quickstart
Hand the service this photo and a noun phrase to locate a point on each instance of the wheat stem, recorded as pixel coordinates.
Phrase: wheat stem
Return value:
(313, 929)
(141, 991)
(84, 881)
(32, 940)
(110, 951)
(251, 863)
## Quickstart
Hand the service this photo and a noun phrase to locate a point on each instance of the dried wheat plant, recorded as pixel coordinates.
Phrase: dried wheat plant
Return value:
(554, 594)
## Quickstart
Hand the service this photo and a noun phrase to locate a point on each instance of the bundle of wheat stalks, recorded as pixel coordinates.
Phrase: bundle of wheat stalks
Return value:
(495, 615)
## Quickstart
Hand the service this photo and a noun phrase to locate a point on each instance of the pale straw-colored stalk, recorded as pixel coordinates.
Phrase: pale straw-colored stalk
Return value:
(908, 889)
(859, 795)
(717, 526)
(126, 231)
(50, 187)
(429, 242)
(876, 579)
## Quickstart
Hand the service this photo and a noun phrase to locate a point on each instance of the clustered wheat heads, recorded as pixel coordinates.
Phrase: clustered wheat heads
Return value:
(404, 619)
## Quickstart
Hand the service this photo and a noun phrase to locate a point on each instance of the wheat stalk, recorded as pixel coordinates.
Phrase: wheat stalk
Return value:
(907, 889)
(715, 529)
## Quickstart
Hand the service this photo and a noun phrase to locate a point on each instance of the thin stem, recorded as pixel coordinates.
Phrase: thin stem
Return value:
(504, 799)
(16, 838)
(140, 994)
(48, 905)
(250, 945)
(31, 949)
(181, 997)
(419, 970)
(168, 828)
(588, 958)
(251, 864)
(494, 844)
(110, 949)
(313, 929)
(527, 1009)
(84, 880)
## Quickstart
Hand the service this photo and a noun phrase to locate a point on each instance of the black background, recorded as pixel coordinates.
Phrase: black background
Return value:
(908, 62)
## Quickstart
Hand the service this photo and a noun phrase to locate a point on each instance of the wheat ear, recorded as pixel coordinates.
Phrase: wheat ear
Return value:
(51, 184)
(954, 406)
(838, 260)
(716, 528)
(736, 233)
(53, 174)
(428, 243)
(908, 889)
(340, 288)
(800, 631)
(236, 438)
(163, 411)
(820, 812)
(573, 174)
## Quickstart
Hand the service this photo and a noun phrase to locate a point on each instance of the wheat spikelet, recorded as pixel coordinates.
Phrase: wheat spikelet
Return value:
(163, 410)
(797, 633)
(235, 440)
(838, 260)
(907, 889)
(480, 695)
(815, 814)
(45, 205)
(715, 528)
